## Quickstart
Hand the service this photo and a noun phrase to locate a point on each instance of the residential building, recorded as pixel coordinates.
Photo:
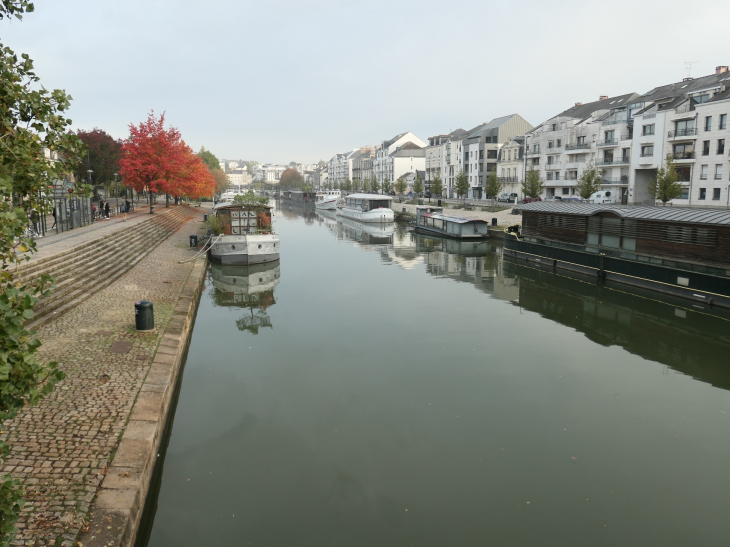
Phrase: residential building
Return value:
(688, 120)
(340, 166)
(597, 132)
(269, 173)
(511, 165)
(387, 164)
(435, 157)
(319, 178)
(362, 163)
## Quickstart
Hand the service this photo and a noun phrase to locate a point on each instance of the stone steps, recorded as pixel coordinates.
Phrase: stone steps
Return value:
(94, 265)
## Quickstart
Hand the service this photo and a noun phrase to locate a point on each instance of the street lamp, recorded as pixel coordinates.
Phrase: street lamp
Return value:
(116, 191)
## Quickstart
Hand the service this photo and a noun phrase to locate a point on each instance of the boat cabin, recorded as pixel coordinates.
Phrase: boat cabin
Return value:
(244, 219)
(436, 223)
(367, 202)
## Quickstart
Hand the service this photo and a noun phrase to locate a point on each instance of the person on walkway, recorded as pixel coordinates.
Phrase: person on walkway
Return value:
(54, 219)
(123, 210)
(128, 205)
(106, 209)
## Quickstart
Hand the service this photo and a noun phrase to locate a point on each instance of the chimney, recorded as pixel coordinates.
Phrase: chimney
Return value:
(603, 97)
(720, 69)
(578, 104)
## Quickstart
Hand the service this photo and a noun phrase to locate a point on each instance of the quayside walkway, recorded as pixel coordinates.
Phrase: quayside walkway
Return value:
(62, 449)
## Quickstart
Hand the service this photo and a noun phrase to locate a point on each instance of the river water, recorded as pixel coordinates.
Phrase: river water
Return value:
(377, 388)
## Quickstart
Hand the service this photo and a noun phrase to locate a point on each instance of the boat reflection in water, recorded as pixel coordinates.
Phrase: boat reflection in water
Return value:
(367, 233)
(249, 287)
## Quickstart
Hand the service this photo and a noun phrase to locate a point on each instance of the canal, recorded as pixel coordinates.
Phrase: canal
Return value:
(377, 388)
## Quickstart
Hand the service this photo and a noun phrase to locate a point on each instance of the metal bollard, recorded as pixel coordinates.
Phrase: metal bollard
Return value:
(439, 203)
(152, 209)
(205, 218)
(193, 240)
(144, 315)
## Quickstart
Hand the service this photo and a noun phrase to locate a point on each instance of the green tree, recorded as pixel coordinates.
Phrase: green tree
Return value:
(494, 187)
(387, 186)
(401, 186)
(336, 185)
(533, 185)
(418, 185)
(462, 185)
(346, 186)
(356, 186)
(32, 121)
(665, 187)
(590, 181)
(375, 185)
(437, 187)
(209, 159)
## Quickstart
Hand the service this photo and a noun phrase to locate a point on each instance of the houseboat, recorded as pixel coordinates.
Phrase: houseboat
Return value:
(247, 235)
(367, 208)
(432, 221)
(326, 199)
(299, 197)
(674, 250)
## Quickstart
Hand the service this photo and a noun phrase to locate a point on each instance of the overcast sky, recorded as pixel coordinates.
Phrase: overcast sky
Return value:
(280, 81)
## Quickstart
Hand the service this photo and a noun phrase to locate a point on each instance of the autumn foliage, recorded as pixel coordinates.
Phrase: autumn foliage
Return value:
(158, 160)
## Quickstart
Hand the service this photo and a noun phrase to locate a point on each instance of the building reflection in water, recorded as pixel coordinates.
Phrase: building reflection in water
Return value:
(247, 287)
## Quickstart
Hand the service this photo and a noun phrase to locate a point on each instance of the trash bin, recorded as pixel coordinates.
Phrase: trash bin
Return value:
(439, 203)
(144, 315)
(494, 222)
(193, 240)
(205, 218)
(152, 209)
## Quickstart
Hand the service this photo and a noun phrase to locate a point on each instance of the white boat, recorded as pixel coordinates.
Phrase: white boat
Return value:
(367, 208)
(248, 236)
(327, 199)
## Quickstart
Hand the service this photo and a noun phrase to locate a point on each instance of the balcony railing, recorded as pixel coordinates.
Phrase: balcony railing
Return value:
(648, 155)
(554, 149)
(611, 142)
(703, 177)
(576, 146)
(685, 108)
(684, 156)
(647, 133)
(690, 132)
(718, 176)
(614, 122)
(614, 180)
(552, 166)
(648, 116)
(722, 126)
(508, 179)
(613, 161)
(532, 152)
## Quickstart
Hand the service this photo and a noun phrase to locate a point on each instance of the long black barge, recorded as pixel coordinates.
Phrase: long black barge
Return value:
(678, 251)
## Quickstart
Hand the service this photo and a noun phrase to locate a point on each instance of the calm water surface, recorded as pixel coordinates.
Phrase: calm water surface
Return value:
(378, 388)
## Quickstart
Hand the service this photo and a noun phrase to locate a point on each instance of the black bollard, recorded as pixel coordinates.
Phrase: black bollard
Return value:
(205, 218)
(193, 240)
(152, 209)
(144, 315)
(494, 222)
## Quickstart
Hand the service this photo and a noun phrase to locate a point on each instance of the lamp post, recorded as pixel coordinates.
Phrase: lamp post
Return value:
(116, 191)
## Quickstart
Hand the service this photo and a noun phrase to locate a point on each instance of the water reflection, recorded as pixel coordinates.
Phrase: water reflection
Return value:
(249, 287)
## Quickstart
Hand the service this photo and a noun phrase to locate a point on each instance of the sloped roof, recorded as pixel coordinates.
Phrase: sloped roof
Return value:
(678, 89)
(585, 110)
(386, 144)
(666, 214)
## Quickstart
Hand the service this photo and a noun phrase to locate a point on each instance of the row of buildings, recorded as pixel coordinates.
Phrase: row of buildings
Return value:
(627, 136)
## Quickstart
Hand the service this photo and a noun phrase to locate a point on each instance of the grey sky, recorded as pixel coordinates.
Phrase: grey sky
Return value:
(300, 80)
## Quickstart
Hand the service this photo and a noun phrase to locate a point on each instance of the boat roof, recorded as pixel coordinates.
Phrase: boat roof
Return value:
(230, 205)
(370, 196)
(658, 214)
(457, 220)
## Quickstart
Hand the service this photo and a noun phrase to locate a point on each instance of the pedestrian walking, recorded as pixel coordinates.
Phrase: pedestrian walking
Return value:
(106, 209)
(54, 219)
(128, 205)
(123, 210)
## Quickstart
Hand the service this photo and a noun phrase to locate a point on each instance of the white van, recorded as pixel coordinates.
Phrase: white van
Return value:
(605, 196)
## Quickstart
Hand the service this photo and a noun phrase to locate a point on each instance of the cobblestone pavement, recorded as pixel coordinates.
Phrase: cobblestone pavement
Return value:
(62, 447)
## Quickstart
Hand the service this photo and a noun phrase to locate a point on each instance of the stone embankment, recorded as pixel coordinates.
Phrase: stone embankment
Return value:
(86, 452)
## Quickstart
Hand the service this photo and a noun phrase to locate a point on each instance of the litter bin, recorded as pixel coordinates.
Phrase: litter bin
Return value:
(152, 209)
(193, 240)
(494, 222)
(205, 218)
(439, 203)
(144, 315)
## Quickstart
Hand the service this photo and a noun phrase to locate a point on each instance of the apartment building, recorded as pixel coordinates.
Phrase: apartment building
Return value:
(688, 120)
(362, 164)
(453, 160)
(319, 178)
(598, 132)
(269, 173)
(387, 164)
(511, 165)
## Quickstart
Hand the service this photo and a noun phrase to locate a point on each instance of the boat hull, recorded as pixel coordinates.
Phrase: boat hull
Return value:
(428, 231)
(376, 215)
(328, 205)
(245, 249)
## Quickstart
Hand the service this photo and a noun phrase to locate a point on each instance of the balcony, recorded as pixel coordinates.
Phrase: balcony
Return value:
(575, 146)
(613, 161)
(613, 142)
(615, 180)
(554, 149)
(718, 176)
(683, 156)
(532, 153)
(703, 176)
(648, 133)
(553, 166)
(648, 155)
(508, 179)
(682, 133)
(687, 107)
(614, 122)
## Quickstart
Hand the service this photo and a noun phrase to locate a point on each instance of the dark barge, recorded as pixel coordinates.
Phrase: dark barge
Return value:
(679, 251)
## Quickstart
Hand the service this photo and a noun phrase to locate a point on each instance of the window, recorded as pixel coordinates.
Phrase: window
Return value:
(550, 144)
(684, 128)
(715, 194)
(720, 146)
(566, 191)
(684, 194)
(723, 121)
(558, 143)
(549, 176)
(550, 160)
(706, 148)
(608, 136)
(625, 154)
(718, 172)
(536, 149)
(708, 123)
(509, 155)
(481, 154)
(647, 151)
(555, 127)
(684, 173)
(703, 193)
(580, 140)
(648, 129)
(703, 172)
(557, 175)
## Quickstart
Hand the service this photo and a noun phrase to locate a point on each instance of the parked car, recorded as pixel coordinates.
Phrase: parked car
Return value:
(530, 200)
(508, 198)
(573, 199)
(604, 196)
(427, 195)
(553, 198)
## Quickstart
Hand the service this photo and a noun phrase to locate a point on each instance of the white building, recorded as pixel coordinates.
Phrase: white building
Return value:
(269, 173)
(511, 165)
(399, 155)
(339, 168)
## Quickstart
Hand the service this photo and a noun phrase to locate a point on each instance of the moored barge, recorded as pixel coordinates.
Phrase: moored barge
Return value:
(431, 221)
(679, 251)
(247, 236)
